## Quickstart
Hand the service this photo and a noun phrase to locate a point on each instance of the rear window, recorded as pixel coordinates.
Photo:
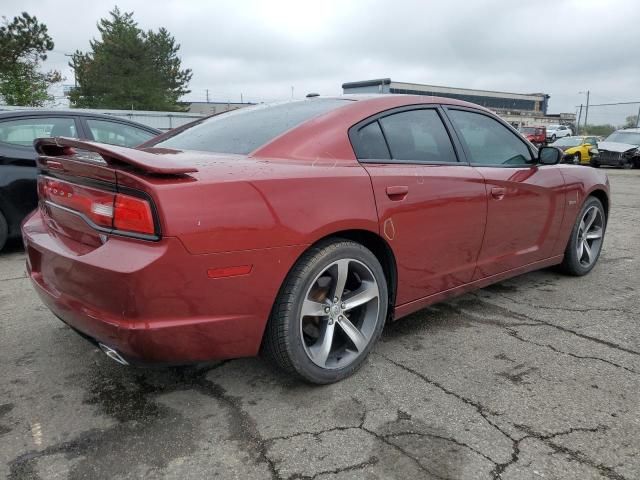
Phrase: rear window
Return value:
(244, 130)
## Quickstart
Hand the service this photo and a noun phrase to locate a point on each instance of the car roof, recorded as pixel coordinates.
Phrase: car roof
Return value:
(71, 113)
(630, 130)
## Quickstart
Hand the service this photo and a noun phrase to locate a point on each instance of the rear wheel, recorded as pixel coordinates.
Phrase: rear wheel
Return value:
(329, 312)
(576, 158)
(4, 231)
(585, 244)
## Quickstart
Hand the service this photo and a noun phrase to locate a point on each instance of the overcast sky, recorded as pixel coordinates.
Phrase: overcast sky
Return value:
(262, 48)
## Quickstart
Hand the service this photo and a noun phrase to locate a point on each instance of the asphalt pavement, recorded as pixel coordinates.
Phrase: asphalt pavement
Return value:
(535, 377)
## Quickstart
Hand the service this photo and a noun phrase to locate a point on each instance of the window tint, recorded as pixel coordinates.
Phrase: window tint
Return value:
(115, 133)
(244, 130)
(25, 130)
(418, 135)
(591, 141)
(488, 141)
(369, 143)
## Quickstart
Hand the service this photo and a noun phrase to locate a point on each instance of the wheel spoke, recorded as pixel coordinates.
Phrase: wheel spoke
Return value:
(321, 349)
(587, 249)
(367, 292)
(580, 251)
(594, 234)
(356, 336)
(590, 218)
(341, 278)
(313, 309)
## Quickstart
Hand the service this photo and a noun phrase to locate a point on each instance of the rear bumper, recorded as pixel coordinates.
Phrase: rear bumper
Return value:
(153, 301)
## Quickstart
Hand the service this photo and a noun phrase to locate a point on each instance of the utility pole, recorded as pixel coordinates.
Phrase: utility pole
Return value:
(75, 79)
(291, 92)
(586, 113)
(241, 99)
(578, 122)
(207, 90)
(638, 118)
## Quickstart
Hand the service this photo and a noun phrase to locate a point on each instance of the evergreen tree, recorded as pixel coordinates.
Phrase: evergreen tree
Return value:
(128, 68)
(24, 43)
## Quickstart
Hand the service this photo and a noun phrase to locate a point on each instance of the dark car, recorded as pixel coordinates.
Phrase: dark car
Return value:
(18, 130)
(299, 228)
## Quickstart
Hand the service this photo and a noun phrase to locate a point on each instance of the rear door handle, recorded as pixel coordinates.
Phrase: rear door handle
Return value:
(397, 192)
(498, 192)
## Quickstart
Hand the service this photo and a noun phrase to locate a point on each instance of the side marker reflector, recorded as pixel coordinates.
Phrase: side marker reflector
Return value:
(229, 271)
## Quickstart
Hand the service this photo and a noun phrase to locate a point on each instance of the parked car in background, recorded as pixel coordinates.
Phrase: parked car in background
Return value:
(18, 130)
(620, 149)
(558, 131)
(298, 229)
(536, 135)
(576, 148)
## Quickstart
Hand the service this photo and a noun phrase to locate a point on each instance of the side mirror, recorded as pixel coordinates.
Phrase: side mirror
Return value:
(550, 155)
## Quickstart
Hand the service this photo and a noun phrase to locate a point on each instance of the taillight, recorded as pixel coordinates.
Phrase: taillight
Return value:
(101, 208)
(133, 214)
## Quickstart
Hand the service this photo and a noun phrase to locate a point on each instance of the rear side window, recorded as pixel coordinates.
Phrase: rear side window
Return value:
(418, 135)
(369, 143)
(25, 130)
(116, 133)
(244, 130)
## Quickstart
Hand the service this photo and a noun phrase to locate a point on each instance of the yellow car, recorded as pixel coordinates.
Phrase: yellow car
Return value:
(576, 148)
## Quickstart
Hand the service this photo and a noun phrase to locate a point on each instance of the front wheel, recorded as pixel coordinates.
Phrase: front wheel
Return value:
(585, 244)
(329, 312)
(553, 138)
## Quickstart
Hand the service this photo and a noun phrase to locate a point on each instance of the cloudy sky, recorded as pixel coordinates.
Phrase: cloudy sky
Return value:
(260, 49)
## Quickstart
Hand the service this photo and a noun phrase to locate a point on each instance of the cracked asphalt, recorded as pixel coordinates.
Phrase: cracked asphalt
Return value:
(536, 377)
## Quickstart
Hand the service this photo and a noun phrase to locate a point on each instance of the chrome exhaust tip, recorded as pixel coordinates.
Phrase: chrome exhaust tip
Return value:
(112, 354)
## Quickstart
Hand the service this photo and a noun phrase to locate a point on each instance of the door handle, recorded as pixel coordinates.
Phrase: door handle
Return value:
(498, 192)
(397, 192)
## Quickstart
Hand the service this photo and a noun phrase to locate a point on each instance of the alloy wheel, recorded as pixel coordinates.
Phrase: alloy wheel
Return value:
(339, 314)
(590, 233)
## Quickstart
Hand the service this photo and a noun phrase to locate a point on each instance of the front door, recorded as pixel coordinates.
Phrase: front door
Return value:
(431, 207)
(525, 200)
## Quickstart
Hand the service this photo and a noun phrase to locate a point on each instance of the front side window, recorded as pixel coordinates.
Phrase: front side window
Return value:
(115, 133)
(24, 131)
(418, 135)
(487, 141)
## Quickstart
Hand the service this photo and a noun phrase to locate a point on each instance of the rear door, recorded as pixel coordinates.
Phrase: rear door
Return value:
(431, 207)
(525, 200)
(18, 171)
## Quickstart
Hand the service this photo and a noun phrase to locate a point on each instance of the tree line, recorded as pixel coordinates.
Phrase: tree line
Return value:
(125, 67)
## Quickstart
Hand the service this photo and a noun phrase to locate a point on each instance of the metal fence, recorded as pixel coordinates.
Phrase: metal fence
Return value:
(616, 115)
(159, 120)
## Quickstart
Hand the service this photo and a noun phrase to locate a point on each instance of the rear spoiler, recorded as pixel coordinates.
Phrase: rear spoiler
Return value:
(112, 155)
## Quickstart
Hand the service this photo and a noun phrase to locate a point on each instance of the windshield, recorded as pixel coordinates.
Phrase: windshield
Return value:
(528, 130)
(568, 142)
(244, 130)
(632, 138)
(553, 127)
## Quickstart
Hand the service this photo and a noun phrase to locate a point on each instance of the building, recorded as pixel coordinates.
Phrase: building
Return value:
(211, 108)
(519, 109)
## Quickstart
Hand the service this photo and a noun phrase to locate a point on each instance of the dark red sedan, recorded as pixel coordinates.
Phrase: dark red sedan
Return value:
(298, 229)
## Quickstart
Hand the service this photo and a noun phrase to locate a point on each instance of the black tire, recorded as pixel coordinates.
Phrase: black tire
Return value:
(636, 162)
(594, 163)
(4, 231)
(553, 138)
(571, 264)
(284, 341)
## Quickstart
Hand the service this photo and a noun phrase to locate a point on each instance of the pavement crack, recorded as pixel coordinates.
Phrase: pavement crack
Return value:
(558, 327)
(482, 410)
(242, 425)
(373, 460)
(515, 335)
